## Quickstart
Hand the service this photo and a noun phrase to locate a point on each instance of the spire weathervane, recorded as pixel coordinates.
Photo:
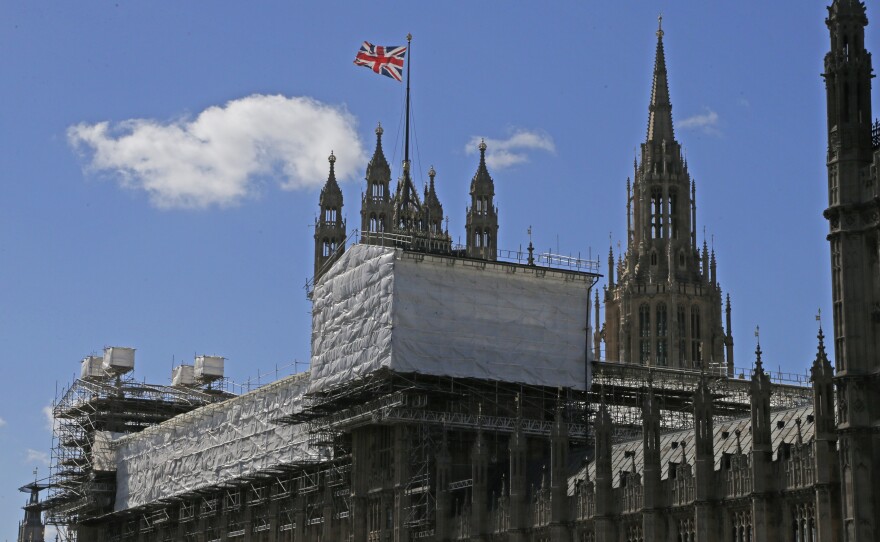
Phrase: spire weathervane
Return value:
(660, 26)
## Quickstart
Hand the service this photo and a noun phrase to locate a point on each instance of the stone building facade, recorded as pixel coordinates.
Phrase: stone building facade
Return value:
(663, 303)
(667, 444)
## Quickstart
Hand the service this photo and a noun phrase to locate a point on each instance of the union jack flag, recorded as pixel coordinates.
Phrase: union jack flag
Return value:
(385, 60)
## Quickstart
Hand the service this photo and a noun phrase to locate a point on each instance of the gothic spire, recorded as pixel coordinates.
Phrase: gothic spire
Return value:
(378, 160)
(848, 8)
(482, 177)
(331, 194)
(660, 109)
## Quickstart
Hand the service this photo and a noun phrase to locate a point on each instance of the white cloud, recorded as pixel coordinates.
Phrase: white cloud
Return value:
(36, 456)
(220, 157)
(706, 122)
(2, 422)
(503, 153)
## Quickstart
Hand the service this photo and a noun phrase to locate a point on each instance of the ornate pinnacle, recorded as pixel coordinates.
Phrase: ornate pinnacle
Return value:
(331, 158)
(759, 367)
(379, 130)
(660, 26)
(482, 146)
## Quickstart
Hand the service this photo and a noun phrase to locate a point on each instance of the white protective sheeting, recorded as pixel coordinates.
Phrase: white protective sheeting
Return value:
(217, 442)
(412, 313)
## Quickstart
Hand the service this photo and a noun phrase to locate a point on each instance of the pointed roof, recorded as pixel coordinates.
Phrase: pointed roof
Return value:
(660, 108)
(331, 193)
(378, 160)
(431, 199)
(482, 179)
(848, 9)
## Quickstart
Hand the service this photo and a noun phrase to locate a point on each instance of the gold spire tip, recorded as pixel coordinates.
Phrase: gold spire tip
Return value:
(660, 26)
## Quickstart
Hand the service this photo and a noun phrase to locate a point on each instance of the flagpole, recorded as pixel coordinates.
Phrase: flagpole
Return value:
(406, 133)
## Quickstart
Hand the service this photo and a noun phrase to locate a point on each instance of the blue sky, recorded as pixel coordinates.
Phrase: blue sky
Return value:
(204, 243)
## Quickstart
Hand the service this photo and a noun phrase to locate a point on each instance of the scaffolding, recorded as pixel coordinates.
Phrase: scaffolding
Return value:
(87, 415)
(622, 385)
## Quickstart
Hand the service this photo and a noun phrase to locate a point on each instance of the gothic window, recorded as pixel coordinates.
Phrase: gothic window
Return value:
(686, 531)
(696, 343)
(832, 196)
(656, 214)
(373, 224)
(378, 190)
(381, 224)
(486, 239)
(479, 206)
(661, 334)
(644, 333)
(837, 298)
(478, 239)
(682, 336)
(673, 214)
(330, 214)
(742, 526)
(325, 251)
(803, 524)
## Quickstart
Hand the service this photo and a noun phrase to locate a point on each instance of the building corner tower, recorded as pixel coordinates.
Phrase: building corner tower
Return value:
(482, 215)
(329, 226)
(852, 213)
(665, 308)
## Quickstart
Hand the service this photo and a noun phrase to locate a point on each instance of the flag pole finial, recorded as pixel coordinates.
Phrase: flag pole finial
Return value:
(408, 37)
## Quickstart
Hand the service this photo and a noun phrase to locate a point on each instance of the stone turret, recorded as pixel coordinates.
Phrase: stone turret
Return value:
(329, 226)
(482, 215)
(376, 209)
(853, 215)
(664, 308)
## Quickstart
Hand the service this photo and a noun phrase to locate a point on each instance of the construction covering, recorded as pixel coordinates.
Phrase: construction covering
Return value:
(219, 442)
(385, 308)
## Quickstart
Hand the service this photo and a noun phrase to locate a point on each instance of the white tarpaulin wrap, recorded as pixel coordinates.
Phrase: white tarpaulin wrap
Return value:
(412, 313)
(211, 444)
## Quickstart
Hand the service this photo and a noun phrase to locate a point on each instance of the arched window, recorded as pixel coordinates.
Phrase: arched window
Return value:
(656, 214)
(478, 239)
(374, 222)
(330, 214)
(696, 343)
(673, 213)
(644, 333)
(681, 321)
(378, 190)
(660, 322)
(325, 248)
(381, 224)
